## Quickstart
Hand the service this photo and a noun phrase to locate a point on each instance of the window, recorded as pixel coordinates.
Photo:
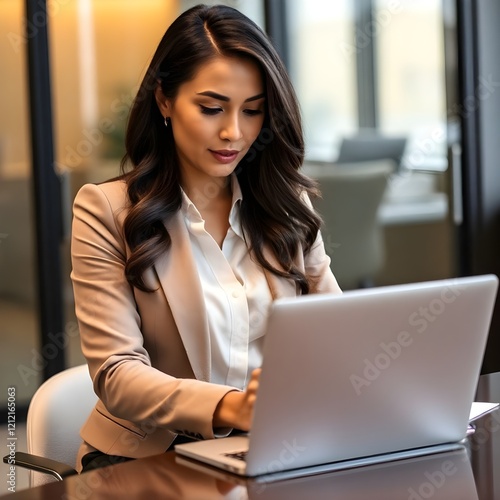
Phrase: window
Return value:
(410, 75)
(326, 42)
(323, 71)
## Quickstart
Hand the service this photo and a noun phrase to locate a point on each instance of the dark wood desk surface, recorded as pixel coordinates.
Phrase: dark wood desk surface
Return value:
(471, 473)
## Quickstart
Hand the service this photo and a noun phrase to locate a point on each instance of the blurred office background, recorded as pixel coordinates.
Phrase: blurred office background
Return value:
(401, 108)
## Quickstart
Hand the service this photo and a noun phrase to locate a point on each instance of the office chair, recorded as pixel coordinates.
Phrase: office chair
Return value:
(371, 146)
(351, 196)
(56, 412)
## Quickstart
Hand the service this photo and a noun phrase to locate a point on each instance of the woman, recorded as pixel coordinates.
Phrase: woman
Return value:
(176, 263)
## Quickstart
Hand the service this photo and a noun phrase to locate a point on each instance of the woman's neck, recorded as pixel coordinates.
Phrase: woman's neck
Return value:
(208, 194)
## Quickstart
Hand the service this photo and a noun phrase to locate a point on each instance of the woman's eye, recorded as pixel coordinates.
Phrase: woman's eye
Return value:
(209, 111)
(253, 112)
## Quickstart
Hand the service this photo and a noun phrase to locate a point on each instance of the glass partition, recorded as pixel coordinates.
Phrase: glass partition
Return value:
(20, 360)
(379, 62)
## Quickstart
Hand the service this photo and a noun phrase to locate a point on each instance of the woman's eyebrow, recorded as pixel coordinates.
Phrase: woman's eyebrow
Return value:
(220, 97)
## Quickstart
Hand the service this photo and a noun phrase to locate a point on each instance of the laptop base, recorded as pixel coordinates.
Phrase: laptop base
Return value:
(317, 469)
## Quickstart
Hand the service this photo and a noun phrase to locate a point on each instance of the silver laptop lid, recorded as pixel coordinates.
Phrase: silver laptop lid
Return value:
(369, 372)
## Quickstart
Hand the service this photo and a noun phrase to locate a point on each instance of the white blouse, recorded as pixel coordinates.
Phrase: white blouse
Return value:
(237, 295)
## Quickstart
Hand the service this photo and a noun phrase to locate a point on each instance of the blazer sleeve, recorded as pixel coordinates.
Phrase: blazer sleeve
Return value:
(110, 328)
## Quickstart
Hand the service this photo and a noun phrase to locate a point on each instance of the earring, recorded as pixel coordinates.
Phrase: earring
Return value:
(166, 121)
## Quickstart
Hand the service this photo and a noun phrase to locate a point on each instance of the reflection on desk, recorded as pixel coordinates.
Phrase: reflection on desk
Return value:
(470, 473)
(440, 476)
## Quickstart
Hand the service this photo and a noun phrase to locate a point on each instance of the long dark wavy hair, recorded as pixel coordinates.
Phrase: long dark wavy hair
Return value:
(273, 212)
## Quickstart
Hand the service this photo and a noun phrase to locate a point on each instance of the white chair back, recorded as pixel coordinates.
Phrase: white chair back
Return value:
(56, 413)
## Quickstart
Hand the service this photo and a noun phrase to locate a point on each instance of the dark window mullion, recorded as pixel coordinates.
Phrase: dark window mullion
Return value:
(276, 27)
(47, 191)
(366, 78)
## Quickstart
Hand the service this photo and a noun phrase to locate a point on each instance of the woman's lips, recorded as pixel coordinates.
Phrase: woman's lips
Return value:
(225, 155)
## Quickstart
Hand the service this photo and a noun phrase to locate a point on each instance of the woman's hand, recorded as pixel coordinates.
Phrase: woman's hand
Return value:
(235, 409)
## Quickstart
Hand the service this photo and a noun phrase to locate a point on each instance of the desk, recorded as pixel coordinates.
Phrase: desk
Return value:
(467, 474)
(431, 208)
(413, 198)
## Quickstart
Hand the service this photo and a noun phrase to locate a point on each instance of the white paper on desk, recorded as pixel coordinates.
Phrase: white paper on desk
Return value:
(477, 410)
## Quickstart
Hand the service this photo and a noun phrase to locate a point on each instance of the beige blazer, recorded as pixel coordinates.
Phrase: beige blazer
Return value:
(148, 353)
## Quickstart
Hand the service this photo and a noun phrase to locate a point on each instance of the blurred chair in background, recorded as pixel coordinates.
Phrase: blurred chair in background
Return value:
(351, 197)
(368, 146)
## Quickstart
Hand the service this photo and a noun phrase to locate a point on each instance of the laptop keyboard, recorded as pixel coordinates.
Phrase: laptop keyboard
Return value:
(239, 455)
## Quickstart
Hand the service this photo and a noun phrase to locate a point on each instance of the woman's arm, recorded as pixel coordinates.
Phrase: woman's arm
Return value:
(110, 327)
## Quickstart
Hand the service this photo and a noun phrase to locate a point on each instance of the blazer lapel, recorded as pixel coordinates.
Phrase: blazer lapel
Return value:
(179, 279)
(178, 276)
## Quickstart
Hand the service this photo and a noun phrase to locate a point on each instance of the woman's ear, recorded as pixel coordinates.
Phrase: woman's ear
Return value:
(162, 102)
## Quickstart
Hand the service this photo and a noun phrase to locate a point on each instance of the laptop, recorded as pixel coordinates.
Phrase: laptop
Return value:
(438, 476)
(364, 377)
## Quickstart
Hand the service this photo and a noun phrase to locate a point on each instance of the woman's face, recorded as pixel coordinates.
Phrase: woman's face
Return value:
(215, 118)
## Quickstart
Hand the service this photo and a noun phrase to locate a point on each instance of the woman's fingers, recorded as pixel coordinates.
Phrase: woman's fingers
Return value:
(251, 394)
(236, 408)
(253, 385)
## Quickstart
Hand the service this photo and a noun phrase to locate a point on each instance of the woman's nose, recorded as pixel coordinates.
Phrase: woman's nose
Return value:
(231, 130)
